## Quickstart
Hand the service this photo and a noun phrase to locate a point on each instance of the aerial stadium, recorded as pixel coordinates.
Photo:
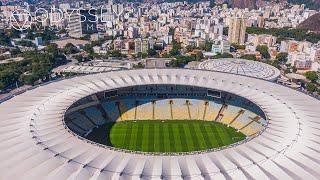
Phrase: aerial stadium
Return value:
(160, 124)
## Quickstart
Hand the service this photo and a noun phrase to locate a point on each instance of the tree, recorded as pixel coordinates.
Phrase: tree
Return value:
(294, 69)
(138, 66)
(286, 33)
(249, 57)
(70, 49)
(176, 47)
(198, 56)
(29, 79)
(25, 43)
(47, 35)
(115, 53)
(88, 48)
(142, 55)
(13, 33)
(263, 49)
(312, 76)
(212, 3)
(282, 57)
(181, 61)
(238, 46)
(4, 39)
(311, 87)
(207, 46)
(276, 64)
(79, 58)
(15, 51)
(152, 52)
(223, 55)
(85, 37)
(52, 49)
(171, 31)
(190, 48)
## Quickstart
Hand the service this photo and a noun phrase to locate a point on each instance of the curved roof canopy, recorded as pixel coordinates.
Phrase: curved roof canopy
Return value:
(243, 67)
(35, 143)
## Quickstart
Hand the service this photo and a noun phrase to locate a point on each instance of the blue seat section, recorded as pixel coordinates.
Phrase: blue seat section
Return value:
(82, 121)
(95, 115)
(75, 128)
(112, 110)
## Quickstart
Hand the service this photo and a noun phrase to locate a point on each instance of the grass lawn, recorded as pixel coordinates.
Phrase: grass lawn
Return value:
(170, 136)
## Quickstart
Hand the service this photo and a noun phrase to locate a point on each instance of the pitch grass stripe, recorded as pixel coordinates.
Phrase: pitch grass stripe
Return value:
(128, 136)
(188, 137)
(171, 136)
(236, 136)
(145, 135)
(118, 136)
(166, 138)
(134, 134)
(213, 140)
(151, 137)
(177, 136)
(161, 139)
(231, 135)
(216, 135)
(194, 138)
(224, 136)
(200, 137)
(171, 139)
(139, 137)
(183, 138)
(205, 135)
(156, 139)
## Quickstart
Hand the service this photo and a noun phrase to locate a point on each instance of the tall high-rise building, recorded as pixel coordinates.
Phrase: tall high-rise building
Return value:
(143, 45)
(237, 30)
(137, 45)
(81, 23)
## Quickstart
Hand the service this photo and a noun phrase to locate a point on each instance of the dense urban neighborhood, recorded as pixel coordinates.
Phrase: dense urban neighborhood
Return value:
(44, 41)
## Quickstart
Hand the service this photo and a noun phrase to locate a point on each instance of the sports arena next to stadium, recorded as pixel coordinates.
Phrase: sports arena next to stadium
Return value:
(160, 124)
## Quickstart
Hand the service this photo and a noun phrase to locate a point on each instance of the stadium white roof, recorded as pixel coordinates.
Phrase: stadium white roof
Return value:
(88, 69)
(35, 144)
(243, 67)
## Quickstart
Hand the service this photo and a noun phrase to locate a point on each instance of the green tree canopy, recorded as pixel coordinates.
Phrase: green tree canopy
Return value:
(249, 57)
(282, 57)
(311, 87)
(70, 49)
(312, 76)
(176, 47)
(223, 55)
(263, 49)
(152, 52)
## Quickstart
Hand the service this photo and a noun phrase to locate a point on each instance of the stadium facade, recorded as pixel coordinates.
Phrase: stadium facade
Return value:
(36, 142)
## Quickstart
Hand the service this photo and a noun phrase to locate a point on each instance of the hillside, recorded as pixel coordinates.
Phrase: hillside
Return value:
(312, 23)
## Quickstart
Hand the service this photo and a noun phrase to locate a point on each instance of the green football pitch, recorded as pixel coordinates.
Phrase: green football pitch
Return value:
(171, 136)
